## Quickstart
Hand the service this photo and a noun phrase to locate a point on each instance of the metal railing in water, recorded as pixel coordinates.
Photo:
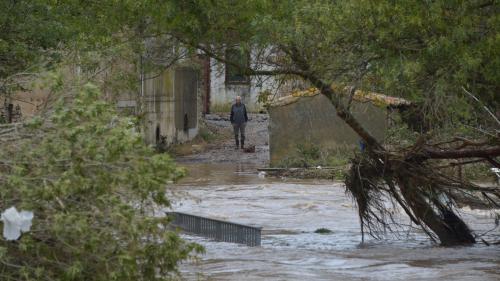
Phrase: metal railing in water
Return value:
(217, 229)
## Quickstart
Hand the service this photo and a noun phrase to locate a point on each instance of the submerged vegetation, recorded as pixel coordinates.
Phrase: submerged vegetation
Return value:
(323, 231)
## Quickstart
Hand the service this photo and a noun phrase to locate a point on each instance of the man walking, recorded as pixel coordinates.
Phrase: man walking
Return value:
(239, 120)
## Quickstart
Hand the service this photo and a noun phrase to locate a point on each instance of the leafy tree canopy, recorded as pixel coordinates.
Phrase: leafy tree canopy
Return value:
(425, 51)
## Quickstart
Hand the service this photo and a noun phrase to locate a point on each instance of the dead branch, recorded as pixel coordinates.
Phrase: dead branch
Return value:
(483, 106)
(483, 152)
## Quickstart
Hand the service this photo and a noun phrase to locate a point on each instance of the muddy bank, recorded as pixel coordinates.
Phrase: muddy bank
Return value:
(222, 149)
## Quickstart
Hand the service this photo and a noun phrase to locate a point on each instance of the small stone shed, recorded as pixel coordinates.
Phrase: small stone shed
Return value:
(172, 106)
(308, 117)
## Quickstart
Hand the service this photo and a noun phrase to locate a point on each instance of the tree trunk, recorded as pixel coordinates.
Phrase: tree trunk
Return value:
(449, 228)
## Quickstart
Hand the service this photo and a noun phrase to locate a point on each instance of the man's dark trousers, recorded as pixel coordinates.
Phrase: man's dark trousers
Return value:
(239, 128)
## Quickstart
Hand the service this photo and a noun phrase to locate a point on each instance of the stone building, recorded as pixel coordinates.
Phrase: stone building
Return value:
(172, 105)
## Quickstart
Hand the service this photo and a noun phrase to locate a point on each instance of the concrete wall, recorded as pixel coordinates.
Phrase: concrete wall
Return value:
(27, 103)
(313, 120)
(172, 106)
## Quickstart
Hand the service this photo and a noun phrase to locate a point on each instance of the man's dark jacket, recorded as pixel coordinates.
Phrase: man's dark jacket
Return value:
(238, 114)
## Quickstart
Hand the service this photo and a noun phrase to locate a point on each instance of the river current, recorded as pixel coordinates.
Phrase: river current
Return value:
(291, 210)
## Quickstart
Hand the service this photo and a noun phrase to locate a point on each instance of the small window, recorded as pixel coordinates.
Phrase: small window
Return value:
(234, 74)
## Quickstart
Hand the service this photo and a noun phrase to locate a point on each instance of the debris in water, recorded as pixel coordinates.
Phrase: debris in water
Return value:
(322, 231)
(262, 174)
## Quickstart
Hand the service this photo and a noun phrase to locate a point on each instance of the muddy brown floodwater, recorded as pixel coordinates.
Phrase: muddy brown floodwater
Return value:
(291, 210)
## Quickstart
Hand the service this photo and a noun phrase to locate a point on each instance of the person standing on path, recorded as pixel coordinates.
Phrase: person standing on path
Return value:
(239, 120)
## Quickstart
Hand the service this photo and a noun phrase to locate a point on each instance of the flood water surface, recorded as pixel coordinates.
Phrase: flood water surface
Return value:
(289, 211)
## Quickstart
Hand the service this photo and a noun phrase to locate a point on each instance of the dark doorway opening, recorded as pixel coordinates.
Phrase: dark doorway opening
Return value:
(158, 134)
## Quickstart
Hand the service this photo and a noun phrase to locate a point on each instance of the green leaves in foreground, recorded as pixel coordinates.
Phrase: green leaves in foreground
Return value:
(95, 190)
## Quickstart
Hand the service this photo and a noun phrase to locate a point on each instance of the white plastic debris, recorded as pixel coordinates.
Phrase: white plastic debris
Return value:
(262, 174)
(15, 222)
(319, 167)
(496, 171)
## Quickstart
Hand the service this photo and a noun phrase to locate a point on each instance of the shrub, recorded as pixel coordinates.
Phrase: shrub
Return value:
(96, 192)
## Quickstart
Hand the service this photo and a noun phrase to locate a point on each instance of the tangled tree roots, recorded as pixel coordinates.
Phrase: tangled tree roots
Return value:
(427, 196)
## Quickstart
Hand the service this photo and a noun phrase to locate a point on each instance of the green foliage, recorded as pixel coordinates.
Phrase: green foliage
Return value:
(434, 50)
(29, 29)
(97, 193)
(264, 98)
(36, 35)
(310, 155)
(306, 155)
(308, 152)
(323, 231)
(425, 51)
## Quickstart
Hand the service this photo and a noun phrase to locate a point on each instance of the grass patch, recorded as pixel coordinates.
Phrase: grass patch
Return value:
(309, 155)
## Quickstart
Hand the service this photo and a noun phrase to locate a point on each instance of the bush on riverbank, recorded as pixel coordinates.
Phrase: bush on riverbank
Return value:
(309, 155)
(95, 190)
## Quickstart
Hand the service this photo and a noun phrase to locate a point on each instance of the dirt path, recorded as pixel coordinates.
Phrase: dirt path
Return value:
(222, 149)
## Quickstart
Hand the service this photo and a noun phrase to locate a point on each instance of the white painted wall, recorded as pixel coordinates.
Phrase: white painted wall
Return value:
(222, 95)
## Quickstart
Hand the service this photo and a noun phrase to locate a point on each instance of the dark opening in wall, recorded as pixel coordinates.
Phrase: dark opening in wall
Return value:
(158, 134)
(186, 98)
(186, 123)
(239, 61)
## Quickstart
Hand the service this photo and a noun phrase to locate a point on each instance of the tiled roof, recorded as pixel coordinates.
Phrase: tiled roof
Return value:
(359, 96)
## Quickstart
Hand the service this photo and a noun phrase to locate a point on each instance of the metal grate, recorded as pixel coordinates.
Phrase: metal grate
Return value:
(216, 229)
